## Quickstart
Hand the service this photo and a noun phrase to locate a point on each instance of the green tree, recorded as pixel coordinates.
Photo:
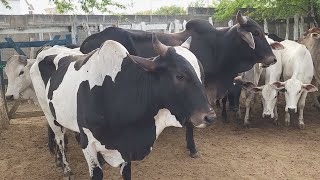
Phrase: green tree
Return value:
(270, 9)
(86, 5)
(5, 3)
(165, 10)
(170, 10)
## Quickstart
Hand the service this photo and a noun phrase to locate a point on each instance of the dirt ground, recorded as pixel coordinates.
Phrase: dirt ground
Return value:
(227, 152)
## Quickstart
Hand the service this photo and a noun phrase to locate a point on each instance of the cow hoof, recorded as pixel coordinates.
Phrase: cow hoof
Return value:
(302, 126)
(246, 125)
(59, 163)
(68, 176)
(276, 123)
(195, 155)
(287, 123)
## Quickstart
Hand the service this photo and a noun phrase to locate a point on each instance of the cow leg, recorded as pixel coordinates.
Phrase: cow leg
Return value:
(301, 105)
(287, 119)
(247, 115)
(224, 110)
(190, 141)
(315, 100)
(91, 155)
(126, 170)
(218, 103)
(275, 111)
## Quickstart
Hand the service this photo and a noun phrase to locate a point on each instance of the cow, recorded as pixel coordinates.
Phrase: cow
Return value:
(274, 37)
(252, 79)
(297, 75)
(223, 52)
(233, 97)
(19, 80)
(311, 40)
(271, 75)
(119, 103)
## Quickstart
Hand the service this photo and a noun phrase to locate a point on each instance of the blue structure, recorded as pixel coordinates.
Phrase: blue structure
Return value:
(18, 45)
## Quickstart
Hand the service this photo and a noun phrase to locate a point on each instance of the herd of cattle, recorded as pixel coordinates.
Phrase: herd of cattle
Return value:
(121, 88)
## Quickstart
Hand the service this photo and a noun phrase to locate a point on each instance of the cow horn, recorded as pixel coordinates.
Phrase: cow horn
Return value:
(241, 19)
(187, 43)
(149, 65)
(158, 47)
(239, 78)
(23, 59)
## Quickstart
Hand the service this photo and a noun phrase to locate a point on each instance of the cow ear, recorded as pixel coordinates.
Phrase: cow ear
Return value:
(247, 37)
(278, 85)
(248, 85)
(315, 35)
(187, 43)
(276, 46)
(149, 65)
(256, 89)
(23, 59)
(309, 88)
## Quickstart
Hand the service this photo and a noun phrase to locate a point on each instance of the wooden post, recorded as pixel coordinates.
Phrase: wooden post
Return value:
(301, 28)
(230, 23)
(176, 26)
(278, 29)
(265, 26)
(31, 56)
(287, 29)
(296, 27)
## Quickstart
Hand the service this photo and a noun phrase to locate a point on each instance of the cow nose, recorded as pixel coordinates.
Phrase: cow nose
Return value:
(9, 97)
(270, 60)
(210, 117)
(291, 110)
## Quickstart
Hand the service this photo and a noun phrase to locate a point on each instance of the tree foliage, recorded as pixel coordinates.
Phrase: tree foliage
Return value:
(165, 10)
(5, 3)
(270, 9)
(88, 6)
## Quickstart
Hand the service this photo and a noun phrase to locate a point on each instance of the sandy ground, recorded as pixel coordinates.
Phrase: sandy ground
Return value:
(227, 152)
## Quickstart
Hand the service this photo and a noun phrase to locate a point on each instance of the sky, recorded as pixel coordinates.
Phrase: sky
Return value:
(136, 5)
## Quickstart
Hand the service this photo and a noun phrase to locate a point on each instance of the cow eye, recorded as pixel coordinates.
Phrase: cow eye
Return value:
(275, 97)
(256, 33)
(21, 72)
(180, 77)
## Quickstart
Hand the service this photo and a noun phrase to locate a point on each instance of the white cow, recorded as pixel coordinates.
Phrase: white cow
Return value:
(269, 92)
(253, 75)
(297, 74)
(19, 80)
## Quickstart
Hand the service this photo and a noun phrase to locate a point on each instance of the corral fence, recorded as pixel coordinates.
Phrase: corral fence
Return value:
(30, 28)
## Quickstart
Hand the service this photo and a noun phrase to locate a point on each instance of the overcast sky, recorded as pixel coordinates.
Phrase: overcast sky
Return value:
(137, 5)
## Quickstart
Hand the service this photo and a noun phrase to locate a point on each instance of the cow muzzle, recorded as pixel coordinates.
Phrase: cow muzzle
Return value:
(270, 60)
(202, 120)
(9, 97)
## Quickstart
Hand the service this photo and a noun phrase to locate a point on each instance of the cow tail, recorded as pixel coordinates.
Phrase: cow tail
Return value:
(51, 142)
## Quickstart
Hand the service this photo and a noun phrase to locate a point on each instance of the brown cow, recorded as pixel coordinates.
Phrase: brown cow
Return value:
(311, 40)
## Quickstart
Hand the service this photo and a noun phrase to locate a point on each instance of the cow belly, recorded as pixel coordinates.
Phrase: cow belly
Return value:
(112, 157)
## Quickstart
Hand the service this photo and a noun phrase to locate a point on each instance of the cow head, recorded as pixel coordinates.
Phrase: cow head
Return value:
(179, 86)
(311, 38)
(293, 89)
(17, 70)
(235, 92)
(253, 36)
(269, 92)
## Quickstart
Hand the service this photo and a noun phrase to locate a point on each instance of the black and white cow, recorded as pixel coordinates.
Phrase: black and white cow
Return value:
(119, 103)
(223, 52)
